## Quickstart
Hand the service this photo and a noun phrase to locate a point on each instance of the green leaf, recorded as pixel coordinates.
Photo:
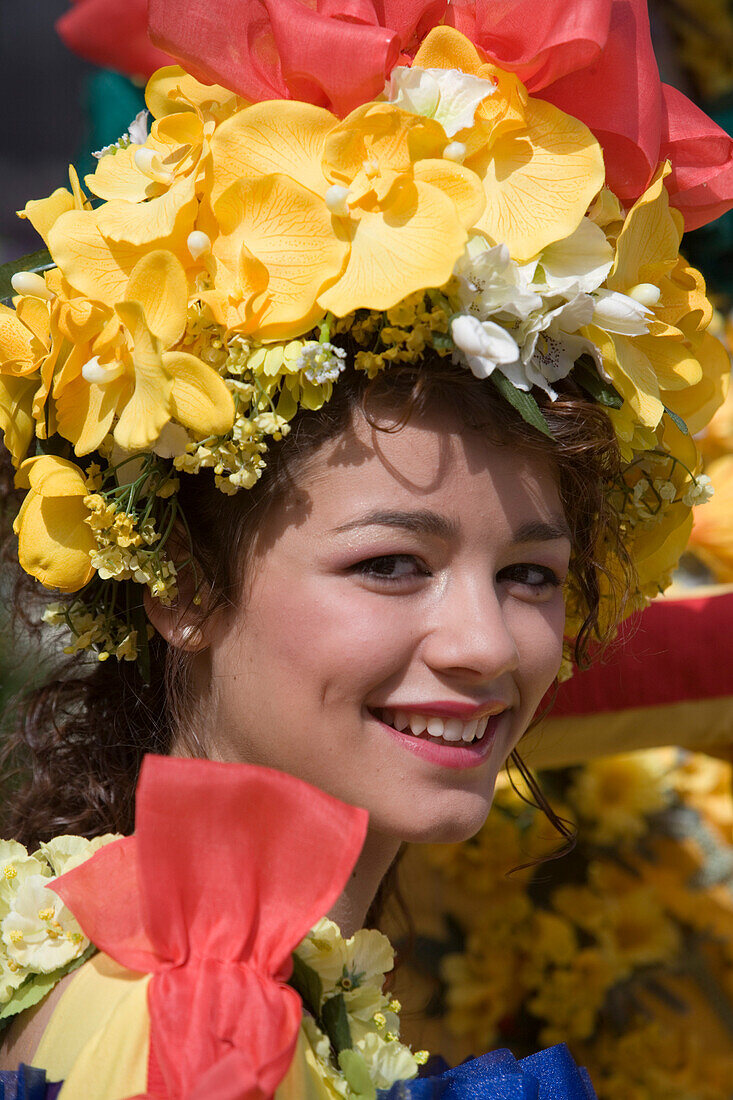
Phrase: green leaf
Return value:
(336, 1023)
(588, 378)
(524, 403)
(35, 988)
(35, 261)
(677, 421)
(307, 984)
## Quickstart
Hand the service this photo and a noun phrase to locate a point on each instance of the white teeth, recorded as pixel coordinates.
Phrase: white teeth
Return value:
(401, 721)
(435, 727)
(469, 730)
(453, 729)
(450, 729)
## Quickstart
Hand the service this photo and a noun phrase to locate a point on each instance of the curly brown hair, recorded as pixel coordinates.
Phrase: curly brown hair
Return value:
(75, 743)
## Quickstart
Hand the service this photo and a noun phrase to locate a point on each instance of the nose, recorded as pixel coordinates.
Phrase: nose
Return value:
(468, 634)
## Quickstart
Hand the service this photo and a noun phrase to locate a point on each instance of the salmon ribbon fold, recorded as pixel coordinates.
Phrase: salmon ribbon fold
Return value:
(592, 58)
(229, 868)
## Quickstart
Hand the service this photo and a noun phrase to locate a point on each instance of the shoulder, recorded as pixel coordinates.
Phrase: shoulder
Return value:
(21, 1040)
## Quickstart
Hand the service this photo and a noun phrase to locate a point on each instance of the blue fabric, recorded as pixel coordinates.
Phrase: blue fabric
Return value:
(549, 1075)
(27, 1083)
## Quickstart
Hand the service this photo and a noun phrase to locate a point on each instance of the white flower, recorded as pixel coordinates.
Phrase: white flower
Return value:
(579, 263)
(699, 492)
(387, 1062)
(616, 312)
(321, 362)
(447, 95)
(64, 853)
(39, 932)
(172, 441)
(484, 344)
(16, 865)
(491, 283)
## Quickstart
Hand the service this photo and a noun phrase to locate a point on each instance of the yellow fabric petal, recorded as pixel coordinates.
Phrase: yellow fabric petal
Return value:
(118, 177)
(539, 181)
(697, 404)
(35, 315)
(658, 551)
(16, 421)
(684, 301)
(170, 90)
(54, 542)
(50, 476)
(200, 399)
(649, 242)
(85, 411)
(712, 533)
(674, 365)
(290, 230)
(631, 373)
(93, 266)
(43, 213)
(158, 282)
(18, 350)
(277, 136)
(461, 185)
(166, 220)
(447, 48)
(149, 407)
(412, 244)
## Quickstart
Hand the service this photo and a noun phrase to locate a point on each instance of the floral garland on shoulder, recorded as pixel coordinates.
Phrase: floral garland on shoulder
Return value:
(351, 1025)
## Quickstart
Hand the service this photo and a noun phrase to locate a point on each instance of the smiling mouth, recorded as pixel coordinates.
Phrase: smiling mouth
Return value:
(451, 731)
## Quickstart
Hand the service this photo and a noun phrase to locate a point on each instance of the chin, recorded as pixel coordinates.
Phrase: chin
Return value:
(459, 819)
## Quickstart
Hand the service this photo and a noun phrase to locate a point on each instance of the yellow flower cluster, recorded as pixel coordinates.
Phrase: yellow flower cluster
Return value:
(205, 292)
(624, 949)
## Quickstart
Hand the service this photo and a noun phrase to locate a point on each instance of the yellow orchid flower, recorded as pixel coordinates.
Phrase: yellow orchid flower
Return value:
(516, 145)
(43, 213)
(133, 377)
(662, 367)
(379, 189)
(54, 541)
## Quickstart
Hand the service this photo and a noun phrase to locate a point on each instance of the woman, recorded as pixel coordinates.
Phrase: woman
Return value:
(455, 410)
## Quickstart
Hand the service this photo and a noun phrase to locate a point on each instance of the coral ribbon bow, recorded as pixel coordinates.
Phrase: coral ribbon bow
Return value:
(229, 867)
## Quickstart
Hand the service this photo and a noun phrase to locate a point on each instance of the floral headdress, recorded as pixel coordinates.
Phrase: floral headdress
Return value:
(502, 184)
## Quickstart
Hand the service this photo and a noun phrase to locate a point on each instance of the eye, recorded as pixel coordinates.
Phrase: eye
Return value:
(535, 580)
(391, 568)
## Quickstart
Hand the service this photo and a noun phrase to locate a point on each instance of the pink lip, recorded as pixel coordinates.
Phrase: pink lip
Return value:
(448, 755)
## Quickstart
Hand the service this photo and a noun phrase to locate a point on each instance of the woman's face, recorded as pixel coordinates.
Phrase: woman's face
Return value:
(403, 619)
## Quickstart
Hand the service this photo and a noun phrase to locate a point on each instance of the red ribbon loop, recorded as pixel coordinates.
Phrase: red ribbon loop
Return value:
(229, 867)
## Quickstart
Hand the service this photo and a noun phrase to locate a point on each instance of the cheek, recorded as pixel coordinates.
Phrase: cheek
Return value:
(538, 632)
(332, 638)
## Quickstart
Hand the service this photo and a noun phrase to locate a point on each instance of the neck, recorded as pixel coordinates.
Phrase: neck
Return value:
(350, 910)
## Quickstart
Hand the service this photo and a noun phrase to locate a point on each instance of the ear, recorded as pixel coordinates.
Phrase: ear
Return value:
(183, 623)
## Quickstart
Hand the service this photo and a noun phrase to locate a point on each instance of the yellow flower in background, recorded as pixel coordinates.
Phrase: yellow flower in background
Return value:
(482, 988)
(516, 145)
(711, 538)
(569, 998)
(613, 795)
(716, 438)
(55, 542)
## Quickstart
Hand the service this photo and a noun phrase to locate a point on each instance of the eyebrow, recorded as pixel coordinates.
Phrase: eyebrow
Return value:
(424, 522)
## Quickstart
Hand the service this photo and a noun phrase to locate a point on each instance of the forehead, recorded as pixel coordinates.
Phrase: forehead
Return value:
(429, 463)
